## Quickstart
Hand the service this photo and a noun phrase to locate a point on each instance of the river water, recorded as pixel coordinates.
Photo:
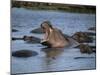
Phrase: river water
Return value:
(25, 20)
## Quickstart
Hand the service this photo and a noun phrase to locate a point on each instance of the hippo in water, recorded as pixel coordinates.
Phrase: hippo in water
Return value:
(53, 37)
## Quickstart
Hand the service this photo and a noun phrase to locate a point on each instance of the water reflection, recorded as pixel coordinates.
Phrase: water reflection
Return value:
(52, 55)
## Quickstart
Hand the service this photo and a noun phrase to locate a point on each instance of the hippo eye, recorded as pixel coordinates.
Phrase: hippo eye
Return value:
(43, 27)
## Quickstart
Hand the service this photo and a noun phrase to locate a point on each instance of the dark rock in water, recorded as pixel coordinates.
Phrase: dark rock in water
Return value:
(83, 57)
(14, 30)
(15, 38)
(38, 30)
(92, 28)
(85, 48)
(93, 48)
(24, 53)
(28, 39)
(90, 33)
(82, 37)
(31, 39)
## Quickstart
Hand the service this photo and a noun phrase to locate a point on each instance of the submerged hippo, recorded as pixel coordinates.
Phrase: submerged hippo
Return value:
(53, 37)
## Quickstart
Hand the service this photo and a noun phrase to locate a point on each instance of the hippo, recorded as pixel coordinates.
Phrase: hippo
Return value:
(53, 37)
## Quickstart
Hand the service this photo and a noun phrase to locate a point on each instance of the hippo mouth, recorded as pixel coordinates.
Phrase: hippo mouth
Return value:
(44, 40)
(45, 43)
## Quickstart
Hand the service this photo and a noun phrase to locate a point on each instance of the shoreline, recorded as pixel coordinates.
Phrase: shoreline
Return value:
(54, 6)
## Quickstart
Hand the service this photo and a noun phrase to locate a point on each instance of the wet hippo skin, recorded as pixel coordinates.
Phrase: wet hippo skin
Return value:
(53, 37)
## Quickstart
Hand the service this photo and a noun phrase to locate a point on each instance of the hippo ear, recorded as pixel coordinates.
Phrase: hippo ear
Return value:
(51, 26)
(49, 23)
